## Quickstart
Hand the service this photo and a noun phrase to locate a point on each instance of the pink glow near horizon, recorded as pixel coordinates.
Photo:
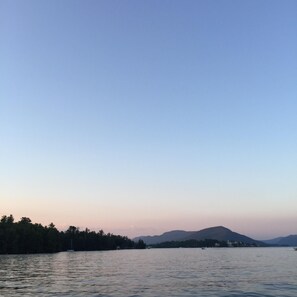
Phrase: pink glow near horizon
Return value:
(257, 228)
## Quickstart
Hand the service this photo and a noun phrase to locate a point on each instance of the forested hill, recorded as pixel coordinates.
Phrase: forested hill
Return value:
(24, 237)
(219, 233)
(290, 240)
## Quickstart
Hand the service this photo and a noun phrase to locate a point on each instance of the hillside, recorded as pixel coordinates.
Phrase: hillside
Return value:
(218, 233)
(174, 235)
(290, 240)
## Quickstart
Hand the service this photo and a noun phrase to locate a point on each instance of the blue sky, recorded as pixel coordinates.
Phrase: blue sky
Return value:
(143, 116)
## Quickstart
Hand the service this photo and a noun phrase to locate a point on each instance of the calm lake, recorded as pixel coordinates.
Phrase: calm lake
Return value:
(152, 272)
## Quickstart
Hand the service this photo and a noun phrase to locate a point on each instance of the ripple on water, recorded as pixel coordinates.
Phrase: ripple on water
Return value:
(238, 272)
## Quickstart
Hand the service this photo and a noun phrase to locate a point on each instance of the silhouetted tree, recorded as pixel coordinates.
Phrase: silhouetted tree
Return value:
(26, 237)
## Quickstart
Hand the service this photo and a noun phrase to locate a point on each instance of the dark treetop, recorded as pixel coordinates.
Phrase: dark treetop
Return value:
(25, 237)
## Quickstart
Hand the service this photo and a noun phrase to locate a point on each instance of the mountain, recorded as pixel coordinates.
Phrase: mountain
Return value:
(273, 241)
(290, 240)
(218, 233)
(174, 235)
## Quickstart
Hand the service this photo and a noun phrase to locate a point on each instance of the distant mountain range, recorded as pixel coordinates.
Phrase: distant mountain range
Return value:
(290, 240)
(219, 233)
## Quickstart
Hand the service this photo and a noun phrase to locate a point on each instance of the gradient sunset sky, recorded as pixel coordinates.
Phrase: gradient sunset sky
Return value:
(139, 117)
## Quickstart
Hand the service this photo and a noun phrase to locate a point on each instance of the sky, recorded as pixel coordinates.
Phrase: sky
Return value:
(140, 117)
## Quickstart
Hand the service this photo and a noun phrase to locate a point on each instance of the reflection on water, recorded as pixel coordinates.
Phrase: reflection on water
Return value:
(154, 272)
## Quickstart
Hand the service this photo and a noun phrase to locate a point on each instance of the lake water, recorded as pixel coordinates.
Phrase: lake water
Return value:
(153, 272)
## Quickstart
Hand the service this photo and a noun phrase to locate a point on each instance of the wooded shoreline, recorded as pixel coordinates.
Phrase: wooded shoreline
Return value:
(24, 237)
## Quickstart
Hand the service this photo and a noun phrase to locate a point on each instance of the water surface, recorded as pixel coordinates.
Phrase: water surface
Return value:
(153, 272)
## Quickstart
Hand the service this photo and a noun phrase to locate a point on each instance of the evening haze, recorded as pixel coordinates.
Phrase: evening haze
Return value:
(139, 117)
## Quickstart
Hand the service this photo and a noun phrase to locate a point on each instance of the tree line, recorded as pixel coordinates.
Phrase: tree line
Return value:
(24, 237)
(193, 243)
